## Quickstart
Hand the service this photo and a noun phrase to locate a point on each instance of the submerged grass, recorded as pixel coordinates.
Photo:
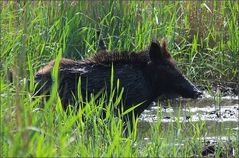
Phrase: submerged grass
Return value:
(202, 36)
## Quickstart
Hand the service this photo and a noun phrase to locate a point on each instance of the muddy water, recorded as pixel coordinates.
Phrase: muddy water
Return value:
(219, 114)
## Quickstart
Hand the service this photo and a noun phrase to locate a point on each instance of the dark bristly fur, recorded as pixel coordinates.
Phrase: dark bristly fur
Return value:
(107, 58)
(144, 75)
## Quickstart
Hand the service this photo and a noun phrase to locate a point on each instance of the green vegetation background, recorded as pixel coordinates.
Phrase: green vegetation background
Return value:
(203, 37)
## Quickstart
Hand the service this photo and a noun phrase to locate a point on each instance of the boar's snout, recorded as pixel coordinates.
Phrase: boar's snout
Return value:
(197, 94)
(188, 90)
(191, 93)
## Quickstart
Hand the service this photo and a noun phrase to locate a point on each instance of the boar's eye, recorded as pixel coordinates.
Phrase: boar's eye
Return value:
(169, 65)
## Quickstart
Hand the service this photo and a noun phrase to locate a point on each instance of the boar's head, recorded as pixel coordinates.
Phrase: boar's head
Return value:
(166, 79)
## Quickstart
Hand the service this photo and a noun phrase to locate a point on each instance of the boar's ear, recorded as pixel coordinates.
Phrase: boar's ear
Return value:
(155, 53)
(164, 49)
(166, 54)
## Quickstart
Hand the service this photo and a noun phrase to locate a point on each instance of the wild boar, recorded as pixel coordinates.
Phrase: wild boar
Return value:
(145, 76)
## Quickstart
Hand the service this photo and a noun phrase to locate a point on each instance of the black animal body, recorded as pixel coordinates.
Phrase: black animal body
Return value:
(144, 75)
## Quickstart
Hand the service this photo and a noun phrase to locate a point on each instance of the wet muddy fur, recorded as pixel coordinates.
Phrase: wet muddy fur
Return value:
(144, 75)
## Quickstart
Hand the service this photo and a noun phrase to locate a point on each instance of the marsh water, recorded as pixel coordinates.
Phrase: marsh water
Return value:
(219, 114)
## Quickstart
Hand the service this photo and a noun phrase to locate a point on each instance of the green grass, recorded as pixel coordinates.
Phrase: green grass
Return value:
(202, 37)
